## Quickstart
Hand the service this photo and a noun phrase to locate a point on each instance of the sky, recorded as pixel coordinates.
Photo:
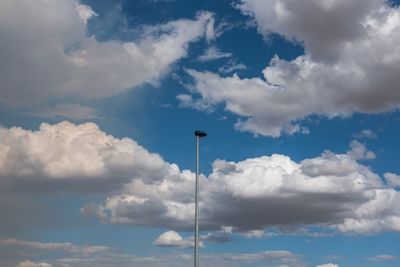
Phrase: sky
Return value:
(99, 101)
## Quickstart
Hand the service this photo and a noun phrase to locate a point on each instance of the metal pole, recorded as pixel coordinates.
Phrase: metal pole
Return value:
(196, 212)
(198, 135)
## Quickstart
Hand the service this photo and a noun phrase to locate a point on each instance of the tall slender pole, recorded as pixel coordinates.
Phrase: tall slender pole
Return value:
(198, 135)
(196, 211)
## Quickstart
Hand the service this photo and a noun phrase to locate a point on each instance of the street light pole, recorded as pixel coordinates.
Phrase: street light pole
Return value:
(198, 135)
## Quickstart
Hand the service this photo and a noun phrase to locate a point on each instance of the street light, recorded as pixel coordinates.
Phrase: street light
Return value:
(198, 134)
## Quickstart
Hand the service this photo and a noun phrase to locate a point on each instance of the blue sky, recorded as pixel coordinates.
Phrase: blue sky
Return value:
(99, 101)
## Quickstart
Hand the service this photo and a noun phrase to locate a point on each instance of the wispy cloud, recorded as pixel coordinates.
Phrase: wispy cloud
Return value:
(187, 101)
(328, 265)
(76, 255)
(366, 133)
(231, 66)
(213, 53)
(382, 258)
(69, 111)
(66, 246)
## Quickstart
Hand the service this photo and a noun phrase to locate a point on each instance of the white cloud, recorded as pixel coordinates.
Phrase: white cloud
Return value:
(366, 133)
(72, 157)
(252, 99)
(274, 258)
(271, 258)
(359, 151)
(332, 190)
(66, 246)
(351, 64)
(33, 264)
(382, 258)
(46, 53)
(392, 179)
(329, 164)
(267, 256)
(82, 159)
(85, 12)
(254, 234)
(187, 101)
(328, 265)
(231, 66)
(213, 53)
(173, 239)
(324, 27)
(116, 258)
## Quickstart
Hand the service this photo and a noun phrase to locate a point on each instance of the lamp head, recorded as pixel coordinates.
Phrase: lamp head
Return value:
(200, 133)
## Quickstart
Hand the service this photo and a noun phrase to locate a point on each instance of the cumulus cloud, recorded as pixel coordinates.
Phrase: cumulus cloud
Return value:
(323, 27)
(359, 151)
(331, 190)
(173, 239)
(73, 158)
(351, 64)
(392, 179)
(68, 158)
(47, 54)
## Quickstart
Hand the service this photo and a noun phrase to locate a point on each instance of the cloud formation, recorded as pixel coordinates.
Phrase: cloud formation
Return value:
(47, 54)
(351, 64)
(366, 133)
(69, 157)
(332, 191)
(66, 246)
(33, 264)
(392, 179)
(382, 258)
(116, 258)
(213, 53)
(173, 239)
(328, 265)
